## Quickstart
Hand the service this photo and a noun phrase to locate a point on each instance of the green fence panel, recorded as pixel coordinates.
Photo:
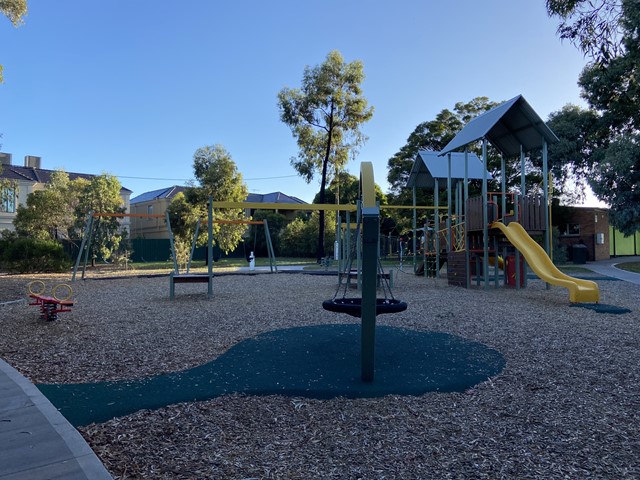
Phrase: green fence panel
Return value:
(621, 245)
(151, 250)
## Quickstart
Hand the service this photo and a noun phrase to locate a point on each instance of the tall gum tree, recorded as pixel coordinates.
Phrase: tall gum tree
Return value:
(325, 116)
(608, 33)
(14, 10)
(217, 176)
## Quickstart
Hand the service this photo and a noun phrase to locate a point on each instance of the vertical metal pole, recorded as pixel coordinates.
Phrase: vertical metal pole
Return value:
(523, 192)
(503, 166)
(466, 199)
(436, 223)
(83, 244)
(210, 247)
(450, 239)
(172, 245)
(485, 216)
(193, 245)
(273, 266)
(370, 232)
(414, 226)
(516, 207)
(545, 196)
(86, 252)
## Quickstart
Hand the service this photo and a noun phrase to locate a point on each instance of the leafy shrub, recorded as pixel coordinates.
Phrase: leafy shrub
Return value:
(300, 237)
(28, 255)
(255, 235)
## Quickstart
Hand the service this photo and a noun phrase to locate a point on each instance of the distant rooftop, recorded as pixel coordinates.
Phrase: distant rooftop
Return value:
(170, 192)
(167, 193)
(38, 175)
(274, 197)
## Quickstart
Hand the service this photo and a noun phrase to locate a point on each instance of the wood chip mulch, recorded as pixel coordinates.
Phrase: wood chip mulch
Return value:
(567, 404)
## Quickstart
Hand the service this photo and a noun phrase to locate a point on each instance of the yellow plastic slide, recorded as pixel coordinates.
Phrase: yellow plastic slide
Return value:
(579, 290)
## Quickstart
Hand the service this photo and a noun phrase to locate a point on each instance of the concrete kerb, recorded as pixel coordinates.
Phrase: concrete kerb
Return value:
(76, 459)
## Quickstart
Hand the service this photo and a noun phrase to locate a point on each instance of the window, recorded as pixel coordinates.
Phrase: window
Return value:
(572, 230)
(149, 209)
(8, 200)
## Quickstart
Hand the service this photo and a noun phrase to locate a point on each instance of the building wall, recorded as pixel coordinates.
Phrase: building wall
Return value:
(24, 189)
(594, 232)
(154, 228)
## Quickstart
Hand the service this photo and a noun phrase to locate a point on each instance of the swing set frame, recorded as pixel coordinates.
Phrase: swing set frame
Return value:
(86, 239)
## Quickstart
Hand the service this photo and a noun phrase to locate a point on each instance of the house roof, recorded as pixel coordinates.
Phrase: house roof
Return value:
(39, 175)
(508, 126)
(429, 166)
(274, 197)
(167, 193)
(170, 192)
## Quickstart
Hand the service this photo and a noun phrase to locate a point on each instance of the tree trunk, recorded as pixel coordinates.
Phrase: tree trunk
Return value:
(323, 184)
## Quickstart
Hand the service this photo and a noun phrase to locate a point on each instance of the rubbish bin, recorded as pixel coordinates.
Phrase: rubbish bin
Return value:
(580, 253)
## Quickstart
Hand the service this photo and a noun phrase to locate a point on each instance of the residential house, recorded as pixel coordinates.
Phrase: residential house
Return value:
(276, 197)
(30, 178)
(157, 201)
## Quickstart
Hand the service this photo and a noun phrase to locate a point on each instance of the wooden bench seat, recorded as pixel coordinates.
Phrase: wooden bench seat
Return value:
(188, 278)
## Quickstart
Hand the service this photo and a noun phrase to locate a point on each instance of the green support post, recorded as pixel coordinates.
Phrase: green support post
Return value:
(370, 232)
(173, 247)
(193, 245)
(84, 244)
(210, 248)
(273, 266)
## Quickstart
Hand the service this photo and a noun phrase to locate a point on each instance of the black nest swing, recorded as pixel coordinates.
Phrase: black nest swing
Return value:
(353, 305)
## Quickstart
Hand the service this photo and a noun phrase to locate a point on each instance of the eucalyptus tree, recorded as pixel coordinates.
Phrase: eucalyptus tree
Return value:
(429, 135)
(217, 177)
(325, 115)
(608, 32)
(14, 10)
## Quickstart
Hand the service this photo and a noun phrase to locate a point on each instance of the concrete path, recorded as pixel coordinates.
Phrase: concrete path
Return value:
(608, 268)
(36, 441)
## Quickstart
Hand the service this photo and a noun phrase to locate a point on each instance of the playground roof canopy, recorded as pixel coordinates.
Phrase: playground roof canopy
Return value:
(507, 127)
(429, 165)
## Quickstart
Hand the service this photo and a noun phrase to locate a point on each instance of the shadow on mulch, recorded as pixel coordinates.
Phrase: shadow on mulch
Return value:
(318, 362)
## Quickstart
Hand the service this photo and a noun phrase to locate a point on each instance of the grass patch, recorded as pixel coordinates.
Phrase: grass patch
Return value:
(222, 263)
(629, 266)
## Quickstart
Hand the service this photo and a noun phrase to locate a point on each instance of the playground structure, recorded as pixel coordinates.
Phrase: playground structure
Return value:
(496, 228)
(175, 276)
(369, 270)
(51, 305)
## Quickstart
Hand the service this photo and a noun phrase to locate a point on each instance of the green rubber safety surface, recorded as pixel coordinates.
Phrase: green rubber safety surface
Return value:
(603, 308)
(320, 362)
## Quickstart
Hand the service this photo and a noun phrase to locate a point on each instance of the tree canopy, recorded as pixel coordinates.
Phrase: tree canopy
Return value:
(50, 213)
(347, 187)
(608, 31)
(216, 176)
(60, 210)
(14, 10)
(325, 116)
(593, 26)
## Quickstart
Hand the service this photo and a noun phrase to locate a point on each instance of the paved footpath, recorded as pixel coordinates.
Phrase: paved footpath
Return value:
(608, 268)
(36, 441)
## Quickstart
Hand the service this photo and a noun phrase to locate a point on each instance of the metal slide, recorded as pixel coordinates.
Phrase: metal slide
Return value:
(580, 291)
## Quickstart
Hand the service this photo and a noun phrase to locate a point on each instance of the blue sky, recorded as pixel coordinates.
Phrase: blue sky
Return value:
(134, 87)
